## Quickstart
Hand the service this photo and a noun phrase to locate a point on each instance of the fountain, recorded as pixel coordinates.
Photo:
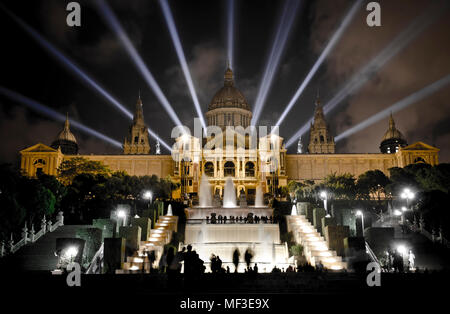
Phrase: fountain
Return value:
(223, 238)
(169, 210)
(294, 210)
(229, 195)
(259, 199)
(205, 197)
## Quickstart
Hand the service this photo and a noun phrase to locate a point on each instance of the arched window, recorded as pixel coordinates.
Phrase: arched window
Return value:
(249, 169)
(229, 169)
(209, 169)
(419, 160)
(39, 161)
(322, 139)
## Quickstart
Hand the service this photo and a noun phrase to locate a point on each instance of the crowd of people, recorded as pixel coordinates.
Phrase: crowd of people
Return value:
(394, 261)
(249, 219)
(171, 263)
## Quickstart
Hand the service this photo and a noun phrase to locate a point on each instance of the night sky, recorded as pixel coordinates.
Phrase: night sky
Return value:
(28, 69)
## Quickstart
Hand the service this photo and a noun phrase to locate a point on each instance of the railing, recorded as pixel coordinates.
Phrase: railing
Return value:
(371, 254)
(96, 264)
(420, 228)
(31, 236)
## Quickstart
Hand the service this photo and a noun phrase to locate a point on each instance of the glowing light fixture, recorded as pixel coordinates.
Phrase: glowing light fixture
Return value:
(71, 252)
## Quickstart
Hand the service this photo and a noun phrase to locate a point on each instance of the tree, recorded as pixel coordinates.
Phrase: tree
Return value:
(341, 186)
(72, 167)
(36, 198)
(401, 178)
(12, 213)
(55, 186)
(372, 184)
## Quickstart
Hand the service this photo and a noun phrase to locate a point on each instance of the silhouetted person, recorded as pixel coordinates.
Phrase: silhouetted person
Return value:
(248, 257)
(179, 257)
(219, 263)
(151, 258)
(188, 260)
(236, 255)
(255, 268)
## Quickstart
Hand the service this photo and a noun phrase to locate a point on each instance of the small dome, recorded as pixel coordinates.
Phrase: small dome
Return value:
(392, 140)
(228, 96)
(392, 132)
(66, 141)
(65, 134)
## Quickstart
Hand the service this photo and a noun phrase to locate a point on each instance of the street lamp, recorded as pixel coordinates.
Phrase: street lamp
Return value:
(360, 213)
(408, 195)
(71, 253)
(121, 214)
(401, 249)
(148, 196)
(324, 196)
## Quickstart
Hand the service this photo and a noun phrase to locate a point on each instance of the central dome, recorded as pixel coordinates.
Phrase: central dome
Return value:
(228, 96)
(228, 106)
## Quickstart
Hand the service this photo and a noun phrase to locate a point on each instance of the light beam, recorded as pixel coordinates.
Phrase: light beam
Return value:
(364, 74)
(405, 102)
(67, 63)
(286, 21)
(230, 31)
(75, 69)
(334, 39)
(181, 57)
(36, 106)
(114, 24)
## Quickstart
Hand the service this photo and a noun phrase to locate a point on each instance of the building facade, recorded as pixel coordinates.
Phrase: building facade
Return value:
(232, 148)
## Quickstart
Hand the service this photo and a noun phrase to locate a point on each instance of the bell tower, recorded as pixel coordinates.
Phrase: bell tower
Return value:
(137, 142)
(320, 140)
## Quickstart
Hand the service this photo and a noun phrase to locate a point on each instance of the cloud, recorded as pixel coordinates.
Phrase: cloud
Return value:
(95, 45)
(25, 132)
(424, 61)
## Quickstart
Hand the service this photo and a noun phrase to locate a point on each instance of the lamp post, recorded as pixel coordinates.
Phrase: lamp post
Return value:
(408, 195)
(148, 195)
(324, 196)
(121, 214)
(360, 213)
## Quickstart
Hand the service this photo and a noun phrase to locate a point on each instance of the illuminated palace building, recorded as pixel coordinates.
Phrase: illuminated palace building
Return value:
(249, 159)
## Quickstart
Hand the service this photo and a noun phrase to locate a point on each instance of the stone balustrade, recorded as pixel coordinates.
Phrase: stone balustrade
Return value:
(31, 236)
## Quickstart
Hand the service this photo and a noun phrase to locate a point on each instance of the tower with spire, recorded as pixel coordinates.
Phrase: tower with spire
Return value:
(393, 139)
(65, 140)
(320, 140)
(137, 141)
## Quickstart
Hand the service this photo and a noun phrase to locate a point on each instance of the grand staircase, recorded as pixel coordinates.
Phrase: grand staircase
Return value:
(159, 236)
(315, 248)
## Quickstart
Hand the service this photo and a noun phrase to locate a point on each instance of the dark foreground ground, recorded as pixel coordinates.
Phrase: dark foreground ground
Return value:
(296, 291)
